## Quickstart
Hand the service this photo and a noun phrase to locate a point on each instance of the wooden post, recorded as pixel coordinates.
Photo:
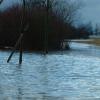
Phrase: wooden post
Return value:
(21, 51)
(14, 49)
(22, 26)
(46, 27)
(19, 42)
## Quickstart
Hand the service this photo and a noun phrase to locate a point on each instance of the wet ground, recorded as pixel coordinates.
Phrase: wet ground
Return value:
(66, 75)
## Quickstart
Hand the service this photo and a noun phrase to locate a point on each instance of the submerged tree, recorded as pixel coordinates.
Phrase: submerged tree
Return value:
(51, 23)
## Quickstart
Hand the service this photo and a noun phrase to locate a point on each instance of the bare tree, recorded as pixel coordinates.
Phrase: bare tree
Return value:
(67, 10)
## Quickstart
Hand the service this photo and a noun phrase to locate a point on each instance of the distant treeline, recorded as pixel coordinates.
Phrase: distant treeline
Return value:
(36, 26)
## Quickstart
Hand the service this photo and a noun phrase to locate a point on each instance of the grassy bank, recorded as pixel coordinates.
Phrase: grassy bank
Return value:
(90, 41)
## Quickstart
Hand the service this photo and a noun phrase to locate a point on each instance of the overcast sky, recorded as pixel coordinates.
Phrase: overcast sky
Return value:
(89, 12)
(7, 3)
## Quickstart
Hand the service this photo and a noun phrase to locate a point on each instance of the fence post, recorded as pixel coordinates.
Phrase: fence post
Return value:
(21, 52)
(14, 49)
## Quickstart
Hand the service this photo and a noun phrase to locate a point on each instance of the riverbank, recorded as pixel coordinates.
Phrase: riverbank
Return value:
(89, 41)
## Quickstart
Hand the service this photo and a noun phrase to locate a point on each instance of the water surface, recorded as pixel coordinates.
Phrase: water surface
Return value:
(66, 75)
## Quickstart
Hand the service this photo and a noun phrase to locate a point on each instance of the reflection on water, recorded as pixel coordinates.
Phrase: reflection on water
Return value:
(19, 81)
(73, 75)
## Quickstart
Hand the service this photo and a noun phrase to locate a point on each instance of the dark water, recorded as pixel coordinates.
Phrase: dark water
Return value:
(73, 75)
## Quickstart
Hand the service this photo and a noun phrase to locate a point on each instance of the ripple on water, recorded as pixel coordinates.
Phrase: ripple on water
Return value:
(63, 76)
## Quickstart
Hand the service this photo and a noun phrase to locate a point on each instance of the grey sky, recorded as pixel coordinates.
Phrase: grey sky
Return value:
(91, 11)
(7, 3)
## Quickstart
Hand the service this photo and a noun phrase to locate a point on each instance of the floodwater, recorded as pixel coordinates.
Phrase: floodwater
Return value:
(66, 75)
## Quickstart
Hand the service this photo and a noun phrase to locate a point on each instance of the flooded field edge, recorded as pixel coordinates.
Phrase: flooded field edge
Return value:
(67, 75)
